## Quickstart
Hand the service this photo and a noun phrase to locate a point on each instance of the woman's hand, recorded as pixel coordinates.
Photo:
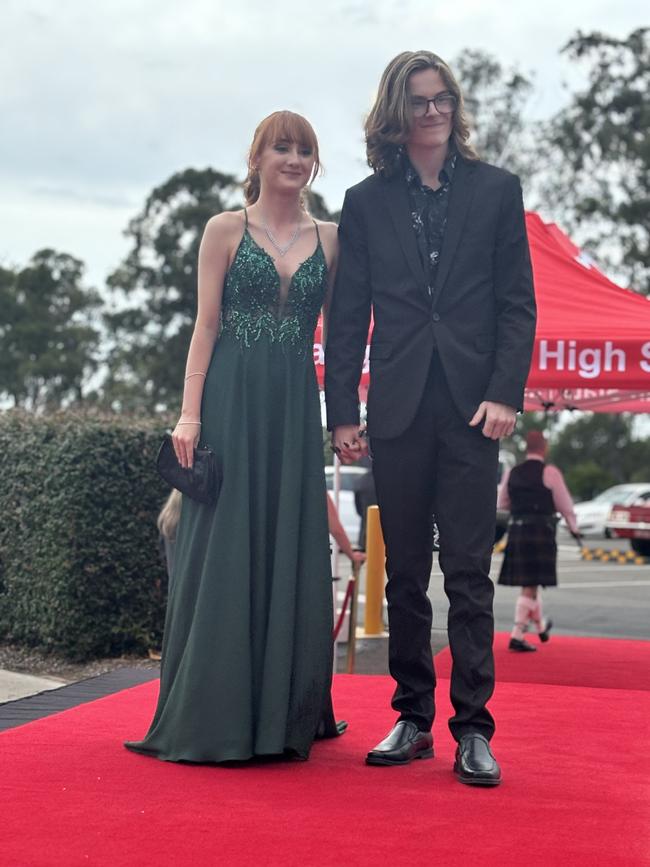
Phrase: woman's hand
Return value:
(185, 438)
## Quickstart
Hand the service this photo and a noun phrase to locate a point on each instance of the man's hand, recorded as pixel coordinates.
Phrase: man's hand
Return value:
(349, 442)
(499, 419)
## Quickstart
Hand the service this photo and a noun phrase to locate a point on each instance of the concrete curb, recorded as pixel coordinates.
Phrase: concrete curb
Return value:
(14, 685)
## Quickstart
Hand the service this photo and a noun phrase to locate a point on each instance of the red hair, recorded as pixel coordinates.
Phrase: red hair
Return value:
(285, 126)
(536, 442)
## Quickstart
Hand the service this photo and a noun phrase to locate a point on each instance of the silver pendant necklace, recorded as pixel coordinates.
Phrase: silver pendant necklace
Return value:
(281, 248)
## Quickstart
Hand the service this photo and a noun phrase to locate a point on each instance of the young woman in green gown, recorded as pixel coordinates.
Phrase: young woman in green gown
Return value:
(247, 650)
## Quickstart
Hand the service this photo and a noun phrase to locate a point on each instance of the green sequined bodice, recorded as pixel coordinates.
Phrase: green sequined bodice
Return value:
(254, 305)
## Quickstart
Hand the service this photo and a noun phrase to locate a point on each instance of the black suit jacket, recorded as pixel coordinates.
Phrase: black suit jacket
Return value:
(480, 315)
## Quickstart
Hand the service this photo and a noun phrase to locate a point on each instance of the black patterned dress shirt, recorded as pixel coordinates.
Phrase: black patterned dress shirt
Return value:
(429, 212)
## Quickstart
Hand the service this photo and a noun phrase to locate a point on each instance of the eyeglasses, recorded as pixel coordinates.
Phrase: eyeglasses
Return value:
(445, 103)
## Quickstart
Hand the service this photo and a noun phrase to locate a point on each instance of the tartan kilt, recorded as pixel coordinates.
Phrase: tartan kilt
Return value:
(530, 556)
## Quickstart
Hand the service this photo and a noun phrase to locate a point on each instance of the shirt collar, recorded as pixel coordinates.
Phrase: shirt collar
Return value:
(446, 172)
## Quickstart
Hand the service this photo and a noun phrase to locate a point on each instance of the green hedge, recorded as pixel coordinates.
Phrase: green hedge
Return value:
(80, 572)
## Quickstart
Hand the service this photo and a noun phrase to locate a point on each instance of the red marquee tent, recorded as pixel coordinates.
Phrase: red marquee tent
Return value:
(592, 345)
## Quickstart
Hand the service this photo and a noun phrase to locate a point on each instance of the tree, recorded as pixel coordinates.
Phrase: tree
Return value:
(48, 339)
(604, 441)
(316, 206)
(496, 98)
(156, 288)
(587, 479)
(599, 150)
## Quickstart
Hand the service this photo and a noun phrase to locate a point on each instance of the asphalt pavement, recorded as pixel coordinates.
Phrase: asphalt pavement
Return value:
(603, 600)
(593, 598)
(596, 599)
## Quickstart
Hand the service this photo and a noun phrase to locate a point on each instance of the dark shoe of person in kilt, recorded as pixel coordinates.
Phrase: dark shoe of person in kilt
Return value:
(544, 635)
(520, 646)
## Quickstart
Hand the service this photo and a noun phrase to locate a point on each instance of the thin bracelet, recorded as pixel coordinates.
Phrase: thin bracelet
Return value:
(190, 375)
(179, 423)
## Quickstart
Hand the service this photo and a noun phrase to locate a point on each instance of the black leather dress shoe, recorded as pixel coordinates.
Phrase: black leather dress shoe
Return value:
(544, 634)
(475, 764)
(401, 745)
(520, 646)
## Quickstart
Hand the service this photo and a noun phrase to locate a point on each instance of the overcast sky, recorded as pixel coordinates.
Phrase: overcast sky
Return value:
(101, 100)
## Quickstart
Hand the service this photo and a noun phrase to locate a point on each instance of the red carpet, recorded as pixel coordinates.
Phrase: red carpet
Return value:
(611, 663)
(576, 790)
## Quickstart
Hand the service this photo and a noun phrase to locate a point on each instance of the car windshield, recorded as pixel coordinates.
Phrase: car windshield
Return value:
(619, 494)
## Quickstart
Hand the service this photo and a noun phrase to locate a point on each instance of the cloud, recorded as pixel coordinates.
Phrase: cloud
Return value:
(101, 101)
(68, 194)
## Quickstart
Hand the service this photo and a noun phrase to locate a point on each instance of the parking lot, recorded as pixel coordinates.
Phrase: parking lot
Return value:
(593, 598)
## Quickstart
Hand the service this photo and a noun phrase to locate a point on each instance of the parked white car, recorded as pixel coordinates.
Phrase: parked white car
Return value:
(592, 514)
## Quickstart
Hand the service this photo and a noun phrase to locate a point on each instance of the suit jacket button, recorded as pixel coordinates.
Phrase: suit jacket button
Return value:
(436, 317)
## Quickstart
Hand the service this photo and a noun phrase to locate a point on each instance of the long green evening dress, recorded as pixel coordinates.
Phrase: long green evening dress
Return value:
(247, 651)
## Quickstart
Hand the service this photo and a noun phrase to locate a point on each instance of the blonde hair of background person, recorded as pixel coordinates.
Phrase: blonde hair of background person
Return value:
(169, 514)
(167, 523)
(388, 124)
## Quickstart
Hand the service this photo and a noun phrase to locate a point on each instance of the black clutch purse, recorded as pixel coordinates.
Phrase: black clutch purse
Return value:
(201, 482)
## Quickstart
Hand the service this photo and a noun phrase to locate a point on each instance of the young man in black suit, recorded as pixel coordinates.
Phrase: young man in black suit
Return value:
(434, 244)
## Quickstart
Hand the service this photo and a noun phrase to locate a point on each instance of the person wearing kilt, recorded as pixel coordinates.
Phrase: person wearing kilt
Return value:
(533, 492)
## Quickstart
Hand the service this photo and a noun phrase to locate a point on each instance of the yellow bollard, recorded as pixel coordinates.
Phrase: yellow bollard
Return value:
(375, 570)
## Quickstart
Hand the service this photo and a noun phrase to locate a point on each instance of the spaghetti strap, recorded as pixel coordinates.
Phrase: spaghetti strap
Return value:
(316, 227)
(246, 217)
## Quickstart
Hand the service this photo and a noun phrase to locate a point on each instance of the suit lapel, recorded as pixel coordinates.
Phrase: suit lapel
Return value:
(400, 211)
(460, 198)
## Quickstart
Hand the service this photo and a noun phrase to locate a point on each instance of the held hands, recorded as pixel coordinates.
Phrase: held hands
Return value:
(185, 438)
(499, 419)
(349, 442)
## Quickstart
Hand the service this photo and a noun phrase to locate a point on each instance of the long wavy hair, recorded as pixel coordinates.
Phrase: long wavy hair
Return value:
(279, 126)
(389, 122)
(170, 515)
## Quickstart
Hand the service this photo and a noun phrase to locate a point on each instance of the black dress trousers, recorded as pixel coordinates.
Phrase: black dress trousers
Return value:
(440, 466)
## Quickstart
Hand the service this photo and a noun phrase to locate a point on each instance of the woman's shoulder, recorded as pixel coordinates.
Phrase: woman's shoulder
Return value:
(225, 224)
(328, 233)
(327, 229)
